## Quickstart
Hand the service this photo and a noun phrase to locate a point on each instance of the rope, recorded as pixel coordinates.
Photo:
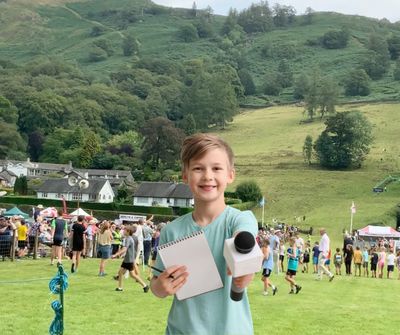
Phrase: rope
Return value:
(54, 284)
(58, 285)
(56, 326)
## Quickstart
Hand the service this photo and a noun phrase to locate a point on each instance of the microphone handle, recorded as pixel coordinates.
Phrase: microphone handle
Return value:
(236, 292)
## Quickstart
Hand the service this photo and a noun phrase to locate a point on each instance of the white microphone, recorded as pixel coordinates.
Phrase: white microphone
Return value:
(243, 256)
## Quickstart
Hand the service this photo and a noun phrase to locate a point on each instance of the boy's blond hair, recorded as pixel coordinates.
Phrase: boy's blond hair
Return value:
(197, 145)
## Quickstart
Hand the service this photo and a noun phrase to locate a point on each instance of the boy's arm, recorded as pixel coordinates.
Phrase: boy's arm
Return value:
(120, 252)
(169, 281)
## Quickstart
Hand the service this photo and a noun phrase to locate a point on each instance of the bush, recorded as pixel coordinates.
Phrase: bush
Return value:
(232, 201)
(97, 54)
(188, 33)
(249, 191)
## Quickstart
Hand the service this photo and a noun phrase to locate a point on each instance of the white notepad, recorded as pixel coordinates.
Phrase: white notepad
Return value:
(194, 252)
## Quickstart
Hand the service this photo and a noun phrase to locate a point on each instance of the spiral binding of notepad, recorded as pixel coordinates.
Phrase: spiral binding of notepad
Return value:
(166, 245)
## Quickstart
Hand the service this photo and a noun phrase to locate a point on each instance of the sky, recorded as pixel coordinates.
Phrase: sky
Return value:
(389, 9)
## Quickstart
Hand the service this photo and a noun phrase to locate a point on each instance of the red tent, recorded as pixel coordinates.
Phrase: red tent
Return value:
(378, 231)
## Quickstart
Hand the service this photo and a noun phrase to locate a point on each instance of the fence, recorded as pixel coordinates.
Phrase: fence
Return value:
(8, 244)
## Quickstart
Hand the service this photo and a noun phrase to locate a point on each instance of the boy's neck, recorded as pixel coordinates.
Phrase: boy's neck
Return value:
(204, 214)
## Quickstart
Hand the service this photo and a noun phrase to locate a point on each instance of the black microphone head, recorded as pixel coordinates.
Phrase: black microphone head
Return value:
(244, 242)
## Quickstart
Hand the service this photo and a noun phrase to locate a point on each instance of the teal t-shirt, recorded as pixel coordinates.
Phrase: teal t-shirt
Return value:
(213, 312)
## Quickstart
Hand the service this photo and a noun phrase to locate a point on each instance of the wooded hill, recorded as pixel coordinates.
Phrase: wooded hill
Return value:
(118, 83)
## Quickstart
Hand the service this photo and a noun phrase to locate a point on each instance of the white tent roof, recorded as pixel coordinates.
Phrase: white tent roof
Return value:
(378, 231)
(79, 211)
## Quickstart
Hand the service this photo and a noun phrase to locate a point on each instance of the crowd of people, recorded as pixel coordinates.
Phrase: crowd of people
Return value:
(356, 256)
(84, 238)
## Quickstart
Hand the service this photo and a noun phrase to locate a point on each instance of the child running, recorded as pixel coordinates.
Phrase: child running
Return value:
(268, 265)
(293, 254)
(130, 248)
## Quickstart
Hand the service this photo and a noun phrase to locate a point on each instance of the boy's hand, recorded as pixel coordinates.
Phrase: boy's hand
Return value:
(169, 281)
(242, 281)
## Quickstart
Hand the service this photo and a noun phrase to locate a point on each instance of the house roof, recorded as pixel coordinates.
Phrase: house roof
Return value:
(61, 186)
(163, 190)
(7, 175)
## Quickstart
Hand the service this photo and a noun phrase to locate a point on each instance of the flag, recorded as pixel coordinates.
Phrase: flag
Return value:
(353, 208)
(262, 202)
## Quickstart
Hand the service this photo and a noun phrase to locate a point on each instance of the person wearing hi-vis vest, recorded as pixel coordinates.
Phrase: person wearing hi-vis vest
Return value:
(117, 239)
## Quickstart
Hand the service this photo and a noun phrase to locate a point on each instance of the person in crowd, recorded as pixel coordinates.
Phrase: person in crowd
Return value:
(293, 255)
(129, 248)
(365, 261)
(147, 237)
(398, 263)
(374, 261)
(208, 168)
(139, 235)
(357, 257)
(36, 212)
(59, 229)
(274, 242)
(338, 260)
(324, 251)
(78, 242)
(117, 238)
(22, 231)
(348, 258)
(7, 230)
(315, 251)
(306, 257)
(381, 261)
(391, 259)
(89, 236)
(154, 245)
(281, 255)
(267, 266)
(104, 238)
(34, 232)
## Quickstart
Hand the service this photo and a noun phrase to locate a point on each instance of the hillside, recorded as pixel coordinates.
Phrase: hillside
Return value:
(36, 29)
(268, 147)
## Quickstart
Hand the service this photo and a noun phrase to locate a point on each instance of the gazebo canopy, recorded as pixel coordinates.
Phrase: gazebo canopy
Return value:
(15, 211)
(378, 231)
(78, 212)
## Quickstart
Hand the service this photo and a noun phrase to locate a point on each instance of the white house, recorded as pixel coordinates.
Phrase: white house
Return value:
(164, 194)
(99, 190)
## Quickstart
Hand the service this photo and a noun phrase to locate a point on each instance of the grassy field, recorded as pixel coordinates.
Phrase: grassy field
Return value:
(268, 146)
(354, 305)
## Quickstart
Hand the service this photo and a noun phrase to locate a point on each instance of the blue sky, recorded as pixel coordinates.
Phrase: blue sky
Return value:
(389, 9)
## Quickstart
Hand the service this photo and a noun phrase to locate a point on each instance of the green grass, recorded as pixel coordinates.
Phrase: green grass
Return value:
(357, 305)
(268, 147)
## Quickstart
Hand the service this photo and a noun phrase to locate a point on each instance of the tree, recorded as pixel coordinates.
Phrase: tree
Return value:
(248, 191)
(357, 83)
(308, 15)
(307, 149)
(12, 146)
(345, 141)
(130, 45)
(335, 39)
(188, 33)
(396, 71)
(328, 95)
(97, 54)
(162, 143)
(393, 43)
(301, 86)
(247, 82)
(188, 124)
(35, 145)
(284, 74)
(90, 148)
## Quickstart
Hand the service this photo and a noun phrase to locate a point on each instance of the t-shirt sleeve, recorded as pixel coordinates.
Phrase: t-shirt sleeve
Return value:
(245, 221)
(53, 224)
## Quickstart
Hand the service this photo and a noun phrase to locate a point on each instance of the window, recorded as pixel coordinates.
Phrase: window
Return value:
(76, 196)
(92, 196)
(142, 200)
(44, 195)
(58, 195)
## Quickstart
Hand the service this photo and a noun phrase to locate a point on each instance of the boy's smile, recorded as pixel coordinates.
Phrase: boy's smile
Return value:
(209, 176)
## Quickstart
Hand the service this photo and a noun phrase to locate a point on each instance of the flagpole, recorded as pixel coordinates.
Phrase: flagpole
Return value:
(263, 211)
(351, 223)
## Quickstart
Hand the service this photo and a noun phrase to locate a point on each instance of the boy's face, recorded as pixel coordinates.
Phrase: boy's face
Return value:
(209, 176)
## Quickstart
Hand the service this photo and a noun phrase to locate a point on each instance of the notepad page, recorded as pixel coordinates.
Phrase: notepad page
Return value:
(193, 252)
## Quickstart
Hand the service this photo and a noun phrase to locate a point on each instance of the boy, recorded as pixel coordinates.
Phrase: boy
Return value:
(391, 258)
(358, 258)
(130, 248)
(208, 169)
(293, 254)
(365, 256)
(374, 262)
(338, 262)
